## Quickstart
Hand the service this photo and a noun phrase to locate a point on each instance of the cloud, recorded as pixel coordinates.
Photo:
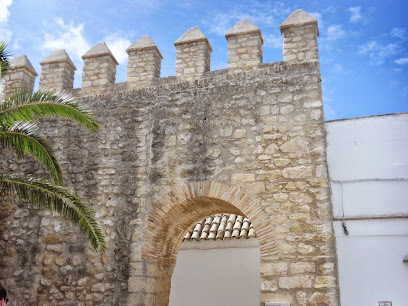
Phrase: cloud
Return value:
(6, 35)
(355, 14)
(4, 12)
(319, 18)
(273, 41)
(400, 33)
(368, 47)
(118, 46)
(385, 47)
(68, 36)
(378, 52)
(265, 14)
(338, 68)
(402, 61)
(335, 32)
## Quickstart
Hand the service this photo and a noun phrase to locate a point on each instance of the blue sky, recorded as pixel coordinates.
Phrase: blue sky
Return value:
(363, 44)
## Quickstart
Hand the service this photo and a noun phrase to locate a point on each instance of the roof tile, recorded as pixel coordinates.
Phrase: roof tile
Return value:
(225, 226)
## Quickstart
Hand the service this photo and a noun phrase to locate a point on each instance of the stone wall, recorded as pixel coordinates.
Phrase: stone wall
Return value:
(168, 155)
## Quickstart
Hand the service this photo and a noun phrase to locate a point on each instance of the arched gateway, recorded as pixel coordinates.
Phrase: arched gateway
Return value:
(177, 211)
(246, 140)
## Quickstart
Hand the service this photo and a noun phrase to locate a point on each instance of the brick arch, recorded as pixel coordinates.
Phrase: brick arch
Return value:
(185, 205)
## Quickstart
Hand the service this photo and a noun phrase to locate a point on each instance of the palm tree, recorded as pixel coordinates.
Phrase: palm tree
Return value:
(18, 131)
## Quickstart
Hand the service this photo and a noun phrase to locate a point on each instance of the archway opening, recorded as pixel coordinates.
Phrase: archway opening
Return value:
(218, 263)
(171, 218)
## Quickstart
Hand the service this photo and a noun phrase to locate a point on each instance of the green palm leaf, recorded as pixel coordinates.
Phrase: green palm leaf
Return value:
(4, 59)
(44, 195)
(24, 138)
(25, 106)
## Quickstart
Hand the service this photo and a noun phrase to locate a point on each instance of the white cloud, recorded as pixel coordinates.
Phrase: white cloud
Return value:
(6, 35)
(402, 61)
(400, 33)
(319, 18)
(378, 52)
(4, 12)
(338, 68)
(355, 14)
(335, 32)
(273, 41)
(69, 36)
(264, 14)
(366, 48)
(118, 46)
(386, 47)
(388, 50)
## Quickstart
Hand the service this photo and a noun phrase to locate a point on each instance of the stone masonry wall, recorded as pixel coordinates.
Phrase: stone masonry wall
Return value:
(300, 43)
(143, 66)
(193, 59)
(94, 68)
(242, 57)
(58, 75)
(168, 155)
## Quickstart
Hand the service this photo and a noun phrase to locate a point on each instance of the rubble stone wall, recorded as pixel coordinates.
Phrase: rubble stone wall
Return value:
(168, 155)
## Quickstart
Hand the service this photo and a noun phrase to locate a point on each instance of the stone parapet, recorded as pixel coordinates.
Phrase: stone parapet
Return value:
(57, 72)
(247, 140)
(244, 46)
(99, 67)
(193, 56)
(144, 62)
(300, 32)
(21, 74)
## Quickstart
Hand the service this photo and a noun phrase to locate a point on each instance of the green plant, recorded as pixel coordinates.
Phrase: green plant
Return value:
(18, 131)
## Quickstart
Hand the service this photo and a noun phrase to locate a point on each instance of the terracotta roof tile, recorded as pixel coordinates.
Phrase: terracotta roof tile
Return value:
(226, 226)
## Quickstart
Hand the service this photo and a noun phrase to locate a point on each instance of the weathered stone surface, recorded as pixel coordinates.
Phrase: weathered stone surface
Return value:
(244, 46)
(292, 282)
(325, 282)
(57, 72)
(144, 62)
(302, 267)
(21, 73)
(171, 151)
(274, 269)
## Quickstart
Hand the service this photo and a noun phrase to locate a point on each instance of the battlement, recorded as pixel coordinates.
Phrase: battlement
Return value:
(193, 58)
(247, 140)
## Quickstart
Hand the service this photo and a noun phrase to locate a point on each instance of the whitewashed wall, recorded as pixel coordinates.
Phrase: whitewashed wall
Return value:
(217, 273)
(368, 166)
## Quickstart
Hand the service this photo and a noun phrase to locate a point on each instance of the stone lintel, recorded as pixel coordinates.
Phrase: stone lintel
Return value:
(100, 49)
(299, 18)
(59, 56)
(193, 35)
(144, 43)
(22, 61)
(242, 27)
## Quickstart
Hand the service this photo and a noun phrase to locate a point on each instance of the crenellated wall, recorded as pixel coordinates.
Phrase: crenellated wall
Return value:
(247, 140)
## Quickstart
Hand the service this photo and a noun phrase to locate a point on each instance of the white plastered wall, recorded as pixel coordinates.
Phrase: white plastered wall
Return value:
(368, 166)
(217, 273)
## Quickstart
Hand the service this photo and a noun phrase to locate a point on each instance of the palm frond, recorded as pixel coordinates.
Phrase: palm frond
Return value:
(44, 195)
(25, 106)
(4, 59)
(24, 138)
